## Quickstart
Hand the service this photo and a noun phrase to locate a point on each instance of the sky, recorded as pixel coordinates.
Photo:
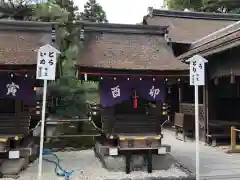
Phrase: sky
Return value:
(124, 11)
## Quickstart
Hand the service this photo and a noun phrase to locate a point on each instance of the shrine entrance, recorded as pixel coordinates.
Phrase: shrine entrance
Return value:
(7, 106)
(224, 96)
(17, 94)
(16, 90)
(172, 100)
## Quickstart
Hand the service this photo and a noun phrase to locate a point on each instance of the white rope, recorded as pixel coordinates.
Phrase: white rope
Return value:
(94, 125)
(38, 124)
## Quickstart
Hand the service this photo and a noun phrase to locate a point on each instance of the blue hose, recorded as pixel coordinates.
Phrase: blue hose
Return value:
(58, 169)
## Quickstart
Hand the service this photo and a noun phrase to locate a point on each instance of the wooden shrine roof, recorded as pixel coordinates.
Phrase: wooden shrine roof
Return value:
(20, 39)
(222, 40)
(129, 47)
(187, 27)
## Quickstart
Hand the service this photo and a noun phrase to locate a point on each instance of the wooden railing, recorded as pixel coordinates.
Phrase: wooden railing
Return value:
(188, 108)
(233, 146)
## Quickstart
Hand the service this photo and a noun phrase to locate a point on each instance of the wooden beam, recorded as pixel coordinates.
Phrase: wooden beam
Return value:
(205, 111)
(135, 72)
(180, 95)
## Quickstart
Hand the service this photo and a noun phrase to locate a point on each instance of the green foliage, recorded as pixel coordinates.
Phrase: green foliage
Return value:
(219, 6)
(225, 6)
(69, 6)
(93, 12)
(70, 93)
(184, 4)
(51, 12)
(16, 9)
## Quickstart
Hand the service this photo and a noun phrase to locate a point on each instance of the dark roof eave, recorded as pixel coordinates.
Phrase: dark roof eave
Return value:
(182, 42)
(229, 30)
(218, 47)
(81, 67)
(219, 39)
(196, 15)
(122, 28)
(9, 67)
(115, 25)
(15, 25)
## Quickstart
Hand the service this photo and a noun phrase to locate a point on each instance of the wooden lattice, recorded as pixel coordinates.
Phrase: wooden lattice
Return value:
(188, 108)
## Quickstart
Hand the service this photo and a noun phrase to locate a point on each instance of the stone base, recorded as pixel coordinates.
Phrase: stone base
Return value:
(13, 166)
(159, 162)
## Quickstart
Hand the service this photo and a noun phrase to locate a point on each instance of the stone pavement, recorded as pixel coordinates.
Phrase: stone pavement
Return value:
(87, 167)
(214, 163)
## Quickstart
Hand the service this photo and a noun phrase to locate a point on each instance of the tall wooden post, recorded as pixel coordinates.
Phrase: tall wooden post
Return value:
(233, 138)
(207, 111)
(179, 97)
(205, 105)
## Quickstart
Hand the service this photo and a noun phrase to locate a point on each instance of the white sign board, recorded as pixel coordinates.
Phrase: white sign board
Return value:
(197, 78)
(197, 70)
(46, 62)
(46, 69)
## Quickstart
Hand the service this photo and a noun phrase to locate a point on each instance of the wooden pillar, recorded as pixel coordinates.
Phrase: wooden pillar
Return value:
(206, 109)
(233, 138)
(205, 105)
(206, 112)
(149, 161)
(180, 97)
(128, 156)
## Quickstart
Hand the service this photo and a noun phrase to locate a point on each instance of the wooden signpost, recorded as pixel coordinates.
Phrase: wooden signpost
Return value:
(197, 78)
(46, 70)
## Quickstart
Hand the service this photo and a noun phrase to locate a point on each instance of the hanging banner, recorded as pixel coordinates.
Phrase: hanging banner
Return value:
(116, 91)
(151, 90)
(18, 87)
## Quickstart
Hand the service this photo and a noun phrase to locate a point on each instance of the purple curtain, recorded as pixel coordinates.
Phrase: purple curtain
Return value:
(18, 87)
(151, 90)
(115, 91)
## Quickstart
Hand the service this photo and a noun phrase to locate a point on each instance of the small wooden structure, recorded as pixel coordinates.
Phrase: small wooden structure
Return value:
(234, 137)
(130, 53)
(186, 35)
(221, 92)
(184, 123)
(19, 108)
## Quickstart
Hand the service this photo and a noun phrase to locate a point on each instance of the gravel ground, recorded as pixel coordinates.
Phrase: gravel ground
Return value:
(87, 167)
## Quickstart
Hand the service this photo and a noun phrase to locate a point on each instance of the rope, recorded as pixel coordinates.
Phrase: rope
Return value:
(164, 122)
(38, 124)
(94, 125)
(58, 169)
